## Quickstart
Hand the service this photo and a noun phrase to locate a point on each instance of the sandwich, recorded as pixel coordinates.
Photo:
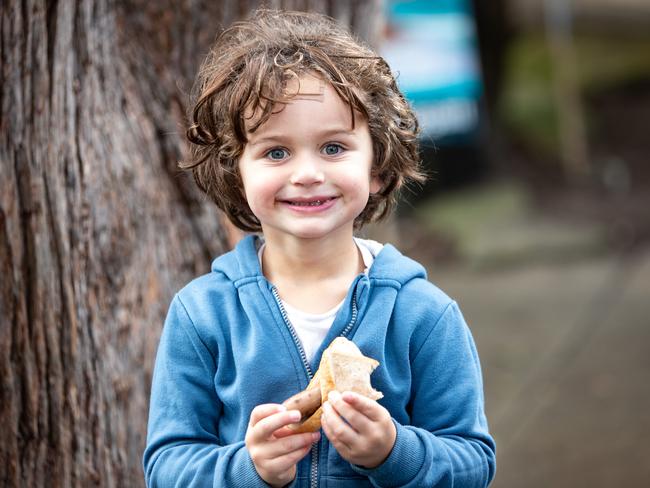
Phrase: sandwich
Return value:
(342, 368)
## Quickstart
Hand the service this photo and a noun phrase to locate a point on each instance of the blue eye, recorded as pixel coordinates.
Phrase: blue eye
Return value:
(276, 154)
(332, 149)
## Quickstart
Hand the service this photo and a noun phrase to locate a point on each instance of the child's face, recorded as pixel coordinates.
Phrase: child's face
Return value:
(306, 173)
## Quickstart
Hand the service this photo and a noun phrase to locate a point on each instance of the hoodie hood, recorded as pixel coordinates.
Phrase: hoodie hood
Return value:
(241, 262)
(389, 264)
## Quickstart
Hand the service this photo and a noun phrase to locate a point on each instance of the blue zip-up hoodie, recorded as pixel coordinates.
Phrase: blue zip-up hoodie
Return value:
(227, 347)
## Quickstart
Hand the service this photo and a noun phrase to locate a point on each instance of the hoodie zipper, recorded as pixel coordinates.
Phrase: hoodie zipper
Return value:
(313, 475)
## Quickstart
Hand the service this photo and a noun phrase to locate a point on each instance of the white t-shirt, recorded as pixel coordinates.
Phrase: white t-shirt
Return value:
(313, 327)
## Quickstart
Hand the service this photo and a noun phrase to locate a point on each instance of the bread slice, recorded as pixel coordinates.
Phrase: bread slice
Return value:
(342, 368)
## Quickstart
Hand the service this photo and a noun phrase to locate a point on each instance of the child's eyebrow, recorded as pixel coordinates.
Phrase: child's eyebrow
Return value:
(272, 138)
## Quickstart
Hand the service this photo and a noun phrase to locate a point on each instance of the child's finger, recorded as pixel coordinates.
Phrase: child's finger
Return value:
(336, 429)
(265, 427)
(278, 456)
(368, 407)
(284, 431)
(290, 444)
(263, 411)
(288, 459)
(357, 420)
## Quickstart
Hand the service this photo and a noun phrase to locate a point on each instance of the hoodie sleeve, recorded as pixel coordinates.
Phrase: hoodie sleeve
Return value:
(183, 446)
(447, 443)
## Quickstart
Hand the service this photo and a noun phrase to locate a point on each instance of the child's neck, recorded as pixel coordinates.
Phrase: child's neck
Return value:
(312, 275)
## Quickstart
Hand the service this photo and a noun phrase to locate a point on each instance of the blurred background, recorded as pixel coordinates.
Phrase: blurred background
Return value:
(536, 218)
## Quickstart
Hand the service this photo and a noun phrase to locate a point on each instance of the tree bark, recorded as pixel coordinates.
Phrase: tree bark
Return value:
(98, 228)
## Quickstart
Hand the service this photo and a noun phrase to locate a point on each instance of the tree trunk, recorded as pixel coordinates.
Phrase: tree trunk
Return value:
(97, 227)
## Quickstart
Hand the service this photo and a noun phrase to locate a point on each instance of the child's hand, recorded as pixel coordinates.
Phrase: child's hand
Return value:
(360, 429)
(272, 447)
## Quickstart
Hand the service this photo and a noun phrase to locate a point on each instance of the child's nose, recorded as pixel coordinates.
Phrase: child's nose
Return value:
(307, 172)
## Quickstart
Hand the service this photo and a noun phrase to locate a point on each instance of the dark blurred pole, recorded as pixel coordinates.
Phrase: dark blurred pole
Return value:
(494, 33)
(573, 141)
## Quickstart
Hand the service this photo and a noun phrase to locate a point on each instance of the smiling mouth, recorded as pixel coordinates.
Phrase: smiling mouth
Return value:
(309, 203)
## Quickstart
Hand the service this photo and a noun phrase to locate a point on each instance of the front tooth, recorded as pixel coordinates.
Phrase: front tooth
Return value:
(315, 203)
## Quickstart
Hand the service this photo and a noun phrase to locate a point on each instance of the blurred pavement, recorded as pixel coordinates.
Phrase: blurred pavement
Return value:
(564, 351)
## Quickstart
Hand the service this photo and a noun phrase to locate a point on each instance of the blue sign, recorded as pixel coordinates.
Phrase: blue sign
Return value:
(431, 45)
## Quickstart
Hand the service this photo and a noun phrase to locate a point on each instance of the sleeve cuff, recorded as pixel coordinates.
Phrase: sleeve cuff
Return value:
(402, 464)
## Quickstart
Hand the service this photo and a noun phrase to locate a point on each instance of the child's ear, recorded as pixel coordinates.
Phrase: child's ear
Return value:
(375, 184)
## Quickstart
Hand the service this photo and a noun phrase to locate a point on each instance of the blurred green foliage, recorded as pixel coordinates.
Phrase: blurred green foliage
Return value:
(495, 225)
(527, 107)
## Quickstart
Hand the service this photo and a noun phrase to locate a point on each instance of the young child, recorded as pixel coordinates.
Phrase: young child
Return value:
(300, 135)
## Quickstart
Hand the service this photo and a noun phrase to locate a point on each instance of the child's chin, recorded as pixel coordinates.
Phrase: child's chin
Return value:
(313, 232)
(307, 235)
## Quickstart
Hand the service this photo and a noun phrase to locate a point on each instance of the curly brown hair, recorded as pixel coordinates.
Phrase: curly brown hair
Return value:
(246, 72)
